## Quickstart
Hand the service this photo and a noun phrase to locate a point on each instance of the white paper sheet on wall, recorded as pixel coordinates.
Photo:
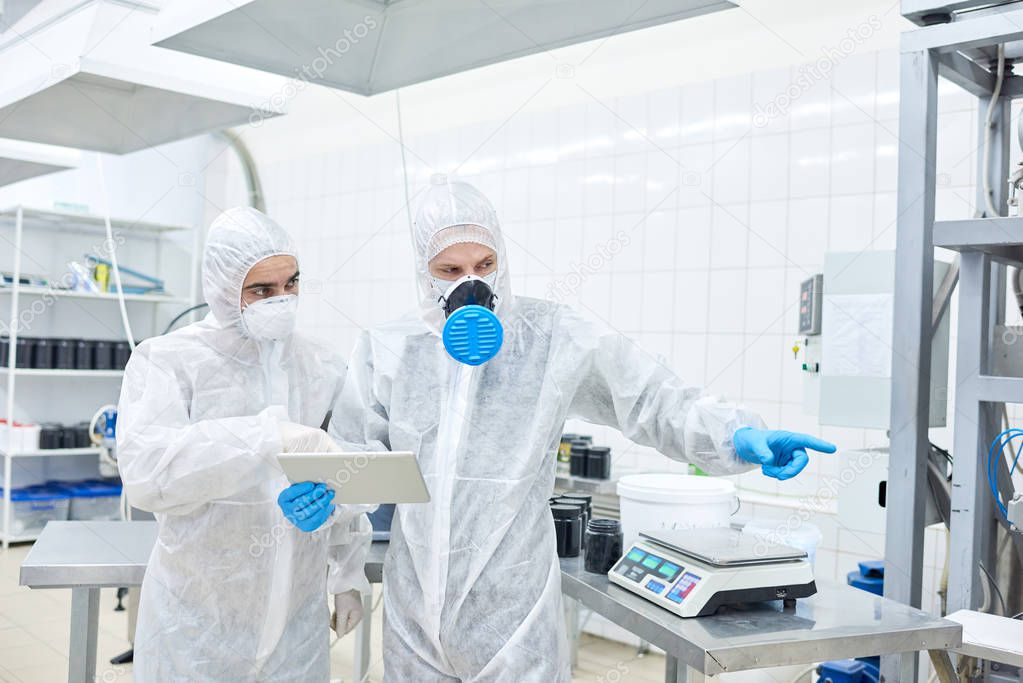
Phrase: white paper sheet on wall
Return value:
(857, 339)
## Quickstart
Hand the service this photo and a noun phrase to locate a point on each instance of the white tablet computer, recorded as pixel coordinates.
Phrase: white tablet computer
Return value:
(361, 477)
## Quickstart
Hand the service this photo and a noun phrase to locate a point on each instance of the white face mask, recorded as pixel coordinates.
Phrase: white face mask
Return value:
(271, 319)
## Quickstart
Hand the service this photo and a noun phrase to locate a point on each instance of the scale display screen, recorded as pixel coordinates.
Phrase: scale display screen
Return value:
(638, 564)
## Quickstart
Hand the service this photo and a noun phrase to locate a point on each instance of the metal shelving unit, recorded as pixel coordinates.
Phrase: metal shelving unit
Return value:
(23, 219)
(958, 40)
(35, 372)
(28, 290)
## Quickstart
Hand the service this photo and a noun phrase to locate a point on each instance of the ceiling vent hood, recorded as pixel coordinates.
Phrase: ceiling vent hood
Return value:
(372, 46)
(23, 160)
(82, 74)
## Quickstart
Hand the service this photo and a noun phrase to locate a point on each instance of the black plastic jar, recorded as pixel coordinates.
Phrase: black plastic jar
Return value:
(122, 352)
(63, 354)
(103, 355)
(577, 464)
(583, 514)
(603, 545)
(83, 353)
(50, 436)
(42, 354)
(568, 528)
(585, 499)
(26, 347)
(598, 462)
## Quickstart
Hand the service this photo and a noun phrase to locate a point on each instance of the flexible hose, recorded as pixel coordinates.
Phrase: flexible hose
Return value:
(113, 252)
(992, 103)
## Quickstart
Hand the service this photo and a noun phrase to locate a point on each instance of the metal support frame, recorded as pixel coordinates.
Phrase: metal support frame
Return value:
(911, 367)
(985, 245)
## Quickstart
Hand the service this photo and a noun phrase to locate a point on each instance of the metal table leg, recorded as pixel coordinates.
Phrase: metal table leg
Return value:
(677, 672)
(362, 639)
(942, 663)
(84, 624)
(572, 626)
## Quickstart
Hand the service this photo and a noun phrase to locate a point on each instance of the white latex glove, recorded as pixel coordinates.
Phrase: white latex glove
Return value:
(297, 438)
(347, 612)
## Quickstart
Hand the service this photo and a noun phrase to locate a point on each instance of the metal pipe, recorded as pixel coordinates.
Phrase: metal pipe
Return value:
(252, 182)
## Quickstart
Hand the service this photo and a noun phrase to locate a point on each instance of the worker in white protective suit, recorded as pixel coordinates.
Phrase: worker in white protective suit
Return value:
(473, 588)
(234, 591)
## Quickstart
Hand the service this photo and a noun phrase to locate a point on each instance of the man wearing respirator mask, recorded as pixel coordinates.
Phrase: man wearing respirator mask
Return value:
(235, 587)
(478, 383)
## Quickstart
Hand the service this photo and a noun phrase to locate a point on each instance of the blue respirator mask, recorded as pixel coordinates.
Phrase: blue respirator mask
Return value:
(472, 333)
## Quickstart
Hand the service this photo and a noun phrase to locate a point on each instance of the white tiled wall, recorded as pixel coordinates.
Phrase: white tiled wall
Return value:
(724, 219)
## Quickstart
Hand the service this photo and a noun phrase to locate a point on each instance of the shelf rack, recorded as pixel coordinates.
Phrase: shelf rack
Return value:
(30, 290)
(22, 219)
(957, 40)
(37, 372)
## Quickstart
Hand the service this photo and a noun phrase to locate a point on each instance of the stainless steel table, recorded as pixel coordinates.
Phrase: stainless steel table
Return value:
(87, 556)
(839, 622)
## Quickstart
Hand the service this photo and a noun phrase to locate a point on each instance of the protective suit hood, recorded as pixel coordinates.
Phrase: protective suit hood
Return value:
(446, 204)
(238, 239)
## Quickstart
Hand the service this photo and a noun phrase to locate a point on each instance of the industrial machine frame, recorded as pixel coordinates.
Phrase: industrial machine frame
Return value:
(985, 245)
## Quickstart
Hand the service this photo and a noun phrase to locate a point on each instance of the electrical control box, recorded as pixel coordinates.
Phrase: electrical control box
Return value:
(810, 292)
(851, 367)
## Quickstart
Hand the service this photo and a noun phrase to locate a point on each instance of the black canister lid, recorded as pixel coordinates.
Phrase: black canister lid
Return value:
(604, 526)
(574, 502)
(566, 511)
(580, 447)
(587, 498)
(600, 450)
(584, 437)
(569, 437)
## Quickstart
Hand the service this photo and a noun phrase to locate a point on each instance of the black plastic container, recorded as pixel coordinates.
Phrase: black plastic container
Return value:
(5, 351)
(584, 498)
(122, 352)
(50, 436)
(598, 462)
(568, 528)
(68, 437)
(42, 354)
(63, 354)
(584, 508)
(603, 543)
(83, 354)
(577, 465)
(102, 355)
(26, 352)
(82, 436)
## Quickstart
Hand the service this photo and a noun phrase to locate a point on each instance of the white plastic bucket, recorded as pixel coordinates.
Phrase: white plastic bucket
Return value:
(674, 501)
(801, 535)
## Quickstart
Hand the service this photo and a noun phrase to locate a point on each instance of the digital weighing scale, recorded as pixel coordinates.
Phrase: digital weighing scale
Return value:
(694, 572)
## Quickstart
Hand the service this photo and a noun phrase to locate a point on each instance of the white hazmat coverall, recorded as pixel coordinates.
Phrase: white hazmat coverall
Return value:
(233, 592)
(473, 587)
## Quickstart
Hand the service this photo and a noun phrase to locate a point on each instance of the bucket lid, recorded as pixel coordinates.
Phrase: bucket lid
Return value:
(675, 488)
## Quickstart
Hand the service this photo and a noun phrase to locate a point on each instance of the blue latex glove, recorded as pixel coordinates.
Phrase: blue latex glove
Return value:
(780, 454)
(307, 505)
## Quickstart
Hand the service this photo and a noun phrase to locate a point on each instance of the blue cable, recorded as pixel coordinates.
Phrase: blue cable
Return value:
(992, 472)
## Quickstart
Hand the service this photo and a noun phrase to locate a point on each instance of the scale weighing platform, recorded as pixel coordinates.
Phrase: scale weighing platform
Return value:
(694, 572)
